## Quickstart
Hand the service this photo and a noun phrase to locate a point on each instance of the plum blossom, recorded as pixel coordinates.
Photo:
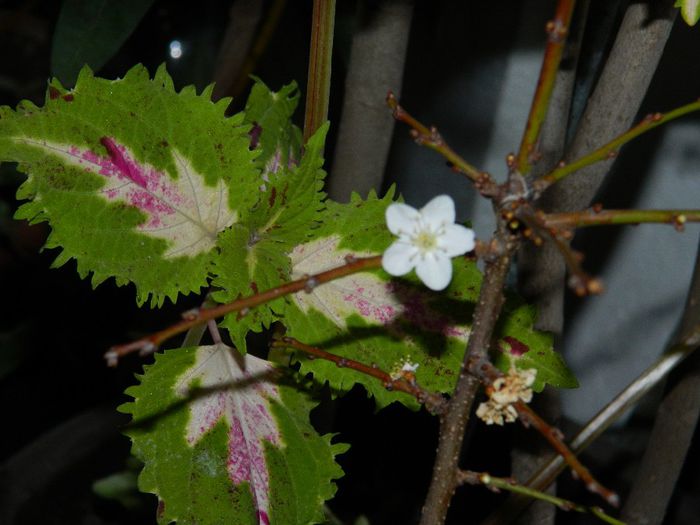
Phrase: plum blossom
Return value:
(428, 239)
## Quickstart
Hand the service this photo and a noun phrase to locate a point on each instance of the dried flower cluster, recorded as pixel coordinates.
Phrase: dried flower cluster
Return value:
(504, 392)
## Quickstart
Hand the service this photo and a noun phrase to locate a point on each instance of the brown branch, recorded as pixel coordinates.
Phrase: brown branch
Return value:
(555, 439)
(151, 342)
(453, 423)
(557, 30)
(403, 381)
(431, 138)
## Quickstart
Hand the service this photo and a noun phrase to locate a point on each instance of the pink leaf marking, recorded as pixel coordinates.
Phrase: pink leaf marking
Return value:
(364, 294)
(240, 393)
(184, 210)
(513, 346)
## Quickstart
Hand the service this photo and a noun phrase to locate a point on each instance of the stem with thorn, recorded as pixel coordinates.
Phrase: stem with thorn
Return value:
(404, 382)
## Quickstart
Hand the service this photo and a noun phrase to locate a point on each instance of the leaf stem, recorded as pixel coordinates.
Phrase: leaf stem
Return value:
(557, 31)
(403, 382)
(318, 85)
(496, 483)
(150, 343)
(610, 149)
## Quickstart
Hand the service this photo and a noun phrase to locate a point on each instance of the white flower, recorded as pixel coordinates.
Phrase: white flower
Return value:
(428, 238)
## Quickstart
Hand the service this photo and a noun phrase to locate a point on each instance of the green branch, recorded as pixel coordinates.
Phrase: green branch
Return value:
(557, 31)
(579, 219)
(610, 149)
(495, 483)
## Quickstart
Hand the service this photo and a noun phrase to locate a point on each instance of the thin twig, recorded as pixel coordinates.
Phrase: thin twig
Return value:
(557, 30)
(431, 138)
(151, 342)
(403, 381)
(597, 217)
(610, 149)
(555, 439)
(497, 484)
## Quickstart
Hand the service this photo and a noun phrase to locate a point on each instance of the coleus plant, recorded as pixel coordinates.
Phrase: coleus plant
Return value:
(158, 188)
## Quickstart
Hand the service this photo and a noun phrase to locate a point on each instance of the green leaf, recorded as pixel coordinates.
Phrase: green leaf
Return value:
(225, 438)
(521, 346)
(136, 179)
(253, 254)
(372, 318)
(690, 11)
(270, 113)
(90, 32)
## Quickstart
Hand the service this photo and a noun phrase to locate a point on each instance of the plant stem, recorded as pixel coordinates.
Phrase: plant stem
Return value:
(431, 138)
(583, 218)
(609, 150)
(553, 436)
(454, 422)
(318, 85)
(404, 382)
(150, 343)
(557, 31)
(496, 483)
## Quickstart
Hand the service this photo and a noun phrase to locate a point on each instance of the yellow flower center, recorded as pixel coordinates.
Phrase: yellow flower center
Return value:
(425, 241)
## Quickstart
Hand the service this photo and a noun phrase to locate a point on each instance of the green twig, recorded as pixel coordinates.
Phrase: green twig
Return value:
(594, 217)
(557, 31)
(495, 483)
(318, 85)
(610, 149)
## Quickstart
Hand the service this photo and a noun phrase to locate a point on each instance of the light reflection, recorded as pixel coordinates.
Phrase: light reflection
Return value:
(175, 49)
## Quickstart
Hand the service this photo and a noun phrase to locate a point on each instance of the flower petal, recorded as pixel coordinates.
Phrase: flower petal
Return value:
(435, 271)
(439, 211)
(401, 218)
(399, 258)
(456, 240)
